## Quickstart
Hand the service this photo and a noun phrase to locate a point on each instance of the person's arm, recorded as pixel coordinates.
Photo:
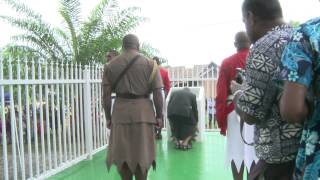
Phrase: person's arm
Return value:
(157, 97)
(293, 106)
(246, 117)
(167, 83)
(106, 96)
(297, 71)
(158, 103)
(221, 98)
(255, 99)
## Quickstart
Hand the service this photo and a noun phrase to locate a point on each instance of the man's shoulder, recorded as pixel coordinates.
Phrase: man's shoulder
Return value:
(273, 42)
(282, 33)
(163, 71)
(231, 60)
(116, 60)
(146, 60)
(309, 30)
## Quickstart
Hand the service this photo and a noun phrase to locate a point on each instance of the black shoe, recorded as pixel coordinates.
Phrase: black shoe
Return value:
(159, 136)
(178, 146)
(186, 147)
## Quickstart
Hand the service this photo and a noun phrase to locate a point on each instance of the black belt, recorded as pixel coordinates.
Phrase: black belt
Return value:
(132, 96)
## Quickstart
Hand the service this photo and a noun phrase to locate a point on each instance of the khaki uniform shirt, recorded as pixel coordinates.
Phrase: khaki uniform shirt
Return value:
(135, 81)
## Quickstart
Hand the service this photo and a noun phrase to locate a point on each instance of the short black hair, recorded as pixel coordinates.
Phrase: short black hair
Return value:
(114, 52)
(157, 60)
(242, 40)
(264, 9)
(130, 41)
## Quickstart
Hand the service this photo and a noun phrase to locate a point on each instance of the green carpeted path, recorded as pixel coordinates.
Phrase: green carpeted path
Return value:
(204, 162)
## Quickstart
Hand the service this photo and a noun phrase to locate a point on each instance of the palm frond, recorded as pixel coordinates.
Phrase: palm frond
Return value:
(36, 42)
(19, 7)
(95, 23)
(148, 50)
(79, 41)
(42, 31)
(108, 6)
(21, 51)
(110, 35)
(64, 39)
(111, 7)
(124, 21)
(70, 11)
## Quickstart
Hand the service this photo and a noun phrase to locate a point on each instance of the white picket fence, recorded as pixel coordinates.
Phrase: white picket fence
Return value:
(51, 117)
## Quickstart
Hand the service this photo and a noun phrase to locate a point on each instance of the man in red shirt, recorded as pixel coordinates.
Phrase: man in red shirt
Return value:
(164, 75)
(227, 73)
(166, 82)
(226, 116)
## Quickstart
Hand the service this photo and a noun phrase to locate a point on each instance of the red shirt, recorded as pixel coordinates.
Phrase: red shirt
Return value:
(226, 75)
(165, 79)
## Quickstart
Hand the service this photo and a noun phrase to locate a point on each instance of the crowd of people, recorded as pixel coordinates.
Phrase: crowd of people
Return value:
(269, 115)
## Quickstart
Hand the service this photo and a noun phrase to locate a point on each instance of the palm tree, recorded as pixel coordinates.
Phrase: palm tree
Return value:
(79, 41)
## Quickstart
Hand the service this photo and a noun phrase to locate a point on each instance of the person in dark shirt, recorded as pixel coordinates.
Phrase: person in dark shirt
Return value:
(183, 116)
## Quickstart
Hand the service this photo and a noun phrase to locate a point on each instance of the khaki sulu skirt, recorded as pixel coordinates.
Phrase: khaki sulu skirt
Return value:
(132, 138)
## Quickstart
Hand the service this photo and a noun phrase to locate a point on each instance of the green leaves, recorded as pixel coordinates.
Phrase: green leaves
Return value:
(70, 11)
(22, 8)
(38, 34)
(79, 41)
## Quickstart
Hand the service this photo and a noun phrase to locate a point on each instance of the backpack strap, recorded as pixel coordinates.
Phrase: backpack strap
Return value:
(153, 73)
(241, 133)
(113, 87)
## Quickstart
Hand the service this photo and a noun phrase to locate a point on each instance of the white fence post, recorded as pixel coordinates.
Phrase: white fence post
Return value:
(13, 124)
(5, 173)
(87, 112)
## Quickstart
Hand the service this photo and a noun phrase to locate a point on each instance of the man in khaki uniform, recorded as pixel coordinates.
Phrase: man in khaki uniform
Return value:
(132, 142)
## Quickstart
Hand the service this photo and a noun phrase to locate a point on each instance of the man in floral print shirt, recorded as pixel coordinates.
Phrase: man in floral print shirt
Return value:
(300, 100)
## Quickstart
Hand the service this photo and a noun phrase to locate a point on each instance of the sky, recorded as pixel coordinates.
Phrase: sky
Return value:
(186, 32)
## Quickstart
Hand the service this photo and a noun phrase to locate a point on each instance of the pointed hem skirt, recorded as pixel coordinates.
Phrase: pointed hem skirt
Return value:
(133, 144)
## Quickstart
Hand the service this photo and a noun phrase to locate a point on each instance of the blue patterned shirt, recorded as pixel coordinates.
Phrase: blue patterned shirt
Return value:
(301, 64)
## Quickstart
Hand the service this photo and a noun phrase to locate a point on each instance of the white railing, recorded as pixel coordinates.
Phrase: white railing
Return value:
(198, 76)
(51, 117)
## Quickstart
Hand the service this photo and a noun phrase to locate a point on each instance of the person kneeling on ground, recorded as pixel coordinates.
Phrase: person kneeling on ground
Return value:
(183, 117)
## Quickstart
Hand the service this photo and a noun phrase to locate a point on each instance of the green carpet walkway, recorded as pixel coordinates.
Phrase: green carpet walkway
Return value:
(204, 162)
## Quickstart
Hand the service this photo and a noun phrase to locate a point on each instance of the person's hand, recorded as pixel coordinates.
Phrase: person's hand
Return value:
(108, 124)
(159, 122)
(234, 86)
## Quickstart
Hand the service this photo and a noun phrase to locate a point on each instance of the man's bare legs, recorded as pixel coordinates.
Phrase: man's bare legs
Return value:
(125, 172)
(140, 175)
(186, 143)
(251, 168)
(237, 175)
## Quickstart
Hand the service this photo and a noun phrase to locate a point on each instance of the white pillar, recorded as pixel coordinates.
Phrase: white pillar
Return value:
(87, 112)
